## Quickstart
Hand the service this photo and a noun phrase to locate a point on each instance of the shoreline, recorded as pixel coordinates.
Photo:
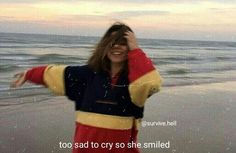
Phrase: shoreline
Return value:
(41, 94)
(204, 117)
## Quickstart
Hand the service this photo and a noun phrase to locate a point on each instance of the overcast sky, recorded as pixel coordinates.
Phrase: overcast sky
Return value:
(162, 19)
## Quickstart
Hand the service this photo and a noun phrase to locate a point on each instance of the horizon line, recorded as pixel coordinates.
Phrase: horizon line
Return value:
(68, 35)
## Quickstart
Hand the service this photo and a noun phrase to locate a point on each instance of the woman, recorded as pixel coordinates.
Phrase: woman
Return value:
(109, 92)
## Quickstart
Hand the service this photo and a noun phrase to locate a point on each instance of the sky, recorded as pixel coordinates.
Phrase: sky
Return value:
(158, 19)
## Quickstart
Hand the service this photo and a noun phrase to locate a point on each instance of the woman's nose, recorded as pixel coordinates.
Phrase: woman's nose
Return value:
(116, 45)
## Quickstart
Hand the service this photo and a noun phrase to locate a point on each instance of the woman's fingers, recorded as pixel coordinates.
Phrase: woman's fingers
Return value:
(131, 40)
(18, 75)
(19, 81)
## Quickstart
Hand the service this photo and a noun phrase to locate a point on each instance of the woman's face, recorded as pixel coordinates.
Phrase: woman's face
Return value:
(118, 52)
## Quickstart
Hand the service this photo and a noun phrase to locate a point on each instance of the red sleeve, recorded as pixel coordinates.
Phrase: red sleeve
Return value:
(138, 64)
(35, 75)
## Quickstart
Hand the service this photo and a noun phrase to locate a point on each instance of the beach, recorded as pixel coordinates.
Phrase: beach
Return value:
(193, 113)
(193, 119)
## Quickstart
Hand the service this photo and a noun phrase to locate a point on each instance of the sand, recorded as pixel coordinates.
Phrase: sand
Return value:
(203, 119)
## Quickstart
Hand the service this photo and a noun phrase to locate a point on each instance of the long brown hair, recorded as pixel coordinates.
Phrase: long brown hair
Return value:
(99, 60)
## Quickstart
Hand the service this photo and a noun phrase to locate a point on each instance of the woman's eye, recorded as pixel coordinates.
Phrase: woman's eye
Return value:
(123, 44)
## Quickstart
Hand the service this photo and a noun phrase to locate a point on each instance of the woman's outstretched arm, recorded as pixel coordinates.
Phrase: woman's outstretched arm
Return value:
(51, 76)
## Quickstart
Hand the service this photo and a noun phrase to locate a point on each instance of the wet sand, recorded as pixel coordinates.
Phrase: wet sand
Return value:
(203, 120)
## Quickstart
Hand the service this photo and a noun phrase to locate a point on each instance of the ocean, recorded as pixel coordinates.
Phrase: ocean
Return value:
(180, 62)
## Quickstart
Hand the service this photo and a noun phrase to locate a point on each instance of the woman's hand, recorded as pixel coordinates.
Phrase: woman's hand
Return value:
(131, 40)
(20, 80)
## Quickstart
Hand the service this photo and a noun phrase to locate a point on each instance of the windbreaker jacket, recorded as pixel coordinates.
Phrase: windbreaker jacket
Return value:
(97, 103)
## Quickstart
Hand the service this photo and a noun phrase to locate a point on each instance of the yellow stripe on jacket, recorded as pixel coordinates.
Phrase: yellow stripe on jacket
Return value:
(54, 78)
(144, 87)
(107, 121)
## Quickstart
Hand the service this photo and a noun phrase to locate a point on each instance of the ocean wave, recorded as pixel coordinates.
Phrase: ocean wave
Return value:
(47, 46)
(7, 67)
(181, 71)
(59, 57)
(20, 100)
(178, 71)
(224, 58)
(22, 57)
(171, 59)
(23, 95)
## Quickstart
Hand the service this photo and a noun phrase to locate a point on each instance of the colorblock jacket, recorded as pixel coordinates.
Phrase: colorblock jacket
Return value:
(97, 103)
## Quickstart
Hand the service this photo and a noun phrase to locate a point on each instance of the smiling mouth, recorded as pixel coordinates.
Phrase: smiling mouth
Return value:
(117, 53)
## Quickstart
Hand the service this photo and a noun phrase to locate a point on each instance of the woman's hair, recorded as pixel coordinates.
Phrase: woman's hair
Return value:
(99, 60)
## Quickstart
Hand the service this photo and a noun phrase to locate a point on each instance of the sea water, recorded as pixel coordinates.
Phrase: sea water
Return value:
(180, 62)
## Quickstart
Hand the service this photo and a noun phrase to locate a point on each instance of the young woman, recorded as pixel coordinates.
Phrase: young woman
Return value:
(109, 92)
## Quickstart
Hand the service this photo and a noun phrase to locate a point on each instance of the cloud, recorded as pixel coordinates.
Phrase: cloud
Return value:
(232, 9)
(33, 1)
(3, 18)
(82, 17)
(128, 14)
(92, 17)
(124, 1)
